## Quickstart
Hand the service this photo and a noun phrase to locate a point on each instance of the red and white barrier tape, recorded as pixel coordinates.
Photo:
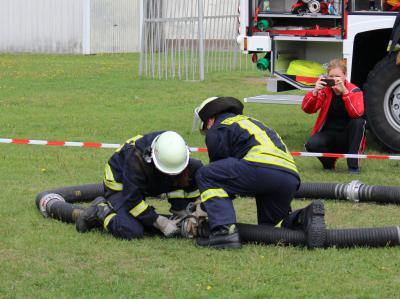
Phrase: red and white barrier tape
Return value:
(357, 156)
(192, 149)
(59, 143)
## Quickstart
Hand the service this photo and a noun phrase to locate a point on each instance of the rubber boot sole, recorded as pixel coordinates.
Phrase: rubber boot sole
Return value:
(316, 228)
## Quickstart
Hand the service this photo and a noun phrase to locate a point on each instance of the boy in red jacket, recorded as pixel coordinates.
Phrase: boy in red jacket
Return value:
(340, 126)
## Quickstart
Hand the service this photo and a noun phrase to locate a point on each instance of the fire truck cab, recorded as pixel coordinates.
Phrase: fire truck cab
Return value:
(278, 32)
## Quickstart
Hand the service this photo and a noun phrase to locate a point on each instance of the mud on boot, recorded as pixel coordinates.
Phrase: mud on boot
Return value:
(312, 220)
(224, 237)
(93, 216)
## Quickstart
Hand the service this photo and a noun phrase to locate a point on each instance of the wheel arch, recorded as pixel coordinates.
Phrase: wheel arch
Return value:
(370, 47)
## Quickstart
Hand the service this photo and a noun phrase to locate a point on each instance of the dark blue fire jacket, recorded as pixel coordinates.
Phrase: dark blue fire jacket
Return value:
(132, 172)
(242, 137)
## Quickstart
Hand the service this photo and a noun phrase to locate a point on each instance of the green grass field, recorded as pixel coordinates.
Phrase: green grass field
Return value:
(101, 99)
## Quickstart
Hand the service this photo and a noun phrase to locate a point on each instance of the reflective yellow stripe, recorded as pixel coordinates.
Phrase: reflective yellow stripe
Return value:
(266, 152)
(270, 160)
(193, 194)
(108, 219)
(235, 119)
(109, 176)
(267, 156)
(279, 224)
(176, 194)
(260, 135)
(206, 195)
(244, 122)
(134, 139)
(139, 209)
(109, 180)
(129, 141)
(114, 185)
(182, 194)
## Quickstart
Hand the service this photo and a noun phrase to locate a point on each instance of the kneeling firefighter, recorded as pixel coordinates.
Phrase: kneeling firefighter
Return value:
(149, 165)
(247, 158)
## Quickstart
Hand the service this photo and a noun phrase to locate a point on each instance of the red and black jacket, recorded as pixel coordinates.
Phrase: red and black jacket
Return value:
(353, 102)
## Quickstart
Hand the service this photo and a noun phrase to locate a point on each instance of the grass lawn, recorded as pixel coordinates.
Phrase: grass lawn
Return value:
(101, 99)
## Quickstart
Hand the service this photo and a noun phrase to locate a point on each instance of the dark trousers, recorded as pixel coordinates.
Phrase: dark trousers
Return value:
(351, 140)
(273, 190)
(123, 225)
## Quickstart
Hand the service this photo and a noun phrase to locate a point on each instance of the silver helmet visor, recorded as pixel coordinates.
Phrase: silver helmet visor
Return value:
(197, 122)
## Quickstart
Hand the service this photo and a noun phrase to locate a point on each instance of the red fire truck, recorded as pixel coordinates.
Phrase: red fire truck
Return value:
(277, 32)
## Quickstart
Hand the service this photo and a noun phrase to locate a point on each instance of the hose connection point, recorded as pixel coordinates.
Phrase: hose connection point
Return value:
(189, 226)
(46, 202)
(352, 190)
(262, 64)
(398, 234)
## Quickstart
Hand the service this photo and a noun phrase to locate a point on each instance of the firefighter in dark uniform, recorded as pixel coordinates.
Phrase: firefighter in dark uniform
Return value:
(248, 158)
(149, 165)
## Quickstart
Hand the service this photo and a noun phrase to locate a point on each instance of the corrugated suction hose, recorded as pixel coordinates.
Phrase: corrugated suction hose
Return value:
(355, 191)
(58, 204)
(72, 194)
(352, 237)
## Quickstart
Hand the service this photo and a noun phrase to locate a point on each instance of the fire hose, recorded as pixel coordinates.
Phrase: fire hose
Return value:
(354, 191)
(60, 204)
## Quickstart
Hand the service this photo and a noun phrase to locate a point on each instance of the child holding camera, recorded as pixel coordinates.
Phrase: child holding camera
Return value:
(340, 126)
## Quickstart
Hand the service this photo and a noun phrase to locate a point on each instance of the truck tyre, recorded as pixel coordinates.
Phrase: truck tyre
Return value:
(382, 101)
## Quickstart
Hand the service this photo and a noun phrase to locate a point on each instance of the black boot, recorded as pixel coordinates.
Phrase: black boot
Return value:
(225, 236)
(93, 216)
(312, 222)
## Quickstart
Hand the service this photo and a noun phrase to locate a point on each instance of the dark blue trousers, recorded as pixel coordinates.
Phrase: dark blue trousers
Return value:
(272, 188)
(124, 225)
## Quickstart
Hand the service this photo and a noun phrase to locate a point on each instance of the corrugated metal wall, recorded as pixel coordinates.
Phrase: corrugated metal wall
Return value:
(69, 26)
(46, 26)
(76, 26)
(114, 26)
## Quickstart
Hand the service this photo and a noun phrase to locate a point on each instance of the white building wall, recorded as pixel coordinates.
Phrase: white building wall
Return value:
(91, 26)
(114, 26)
(45, 26)
(69, 26)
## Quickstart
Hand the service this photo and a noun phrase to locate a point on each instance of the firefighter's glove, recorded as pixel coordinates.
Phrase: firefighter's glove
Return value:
(166, 226)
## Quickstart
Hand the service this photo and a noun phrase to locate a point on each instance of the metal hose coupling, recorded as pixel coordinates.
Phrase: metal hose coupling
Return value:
(188, 226)
(47, 201)
(352, 190)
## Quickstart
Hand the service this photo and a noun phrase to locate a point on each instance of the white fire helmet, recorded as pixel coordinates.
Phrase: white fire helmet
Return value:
(170, 153)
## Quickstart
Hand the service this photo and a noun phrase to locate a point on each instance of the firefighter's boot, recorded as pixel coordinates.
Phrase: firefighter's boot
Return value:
(312, 222)
(223, 237)
(93, 216)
